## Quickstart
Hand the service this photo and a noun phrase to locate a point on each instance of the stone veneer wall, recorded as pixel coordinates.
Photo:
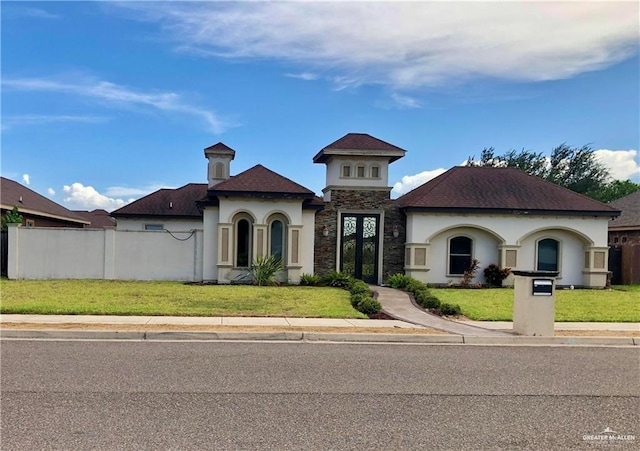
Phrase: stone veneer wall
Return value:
(352, 201)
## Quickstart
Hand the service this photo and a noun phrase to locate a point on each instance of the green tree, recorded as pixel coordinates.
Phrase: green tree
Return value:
(575, 168)
(615, 190)
(11, 217)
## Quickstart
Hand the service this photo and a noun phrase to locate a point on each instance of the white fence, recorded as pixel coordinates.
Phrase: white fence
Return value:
(58, 253)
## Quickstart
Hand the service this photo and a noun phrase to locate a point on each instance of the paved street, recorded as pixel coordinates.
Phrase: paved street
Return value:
(222, 395)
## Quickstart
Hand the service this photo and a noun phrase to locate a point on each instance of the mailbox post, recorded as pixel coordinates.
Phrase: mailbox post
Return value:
(534, 302)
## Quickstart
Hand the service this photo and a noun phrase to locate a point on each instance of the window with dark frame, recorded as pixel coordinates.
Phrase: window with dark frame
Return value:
(459, 254)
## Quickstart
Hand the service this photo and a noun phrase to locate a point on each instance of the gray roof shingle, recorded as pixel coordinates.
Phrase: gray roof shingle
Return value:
(629, 206)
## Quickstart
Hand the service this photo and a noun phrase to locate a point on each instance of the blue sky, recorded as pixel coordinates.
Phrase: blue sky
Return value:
(103, 102)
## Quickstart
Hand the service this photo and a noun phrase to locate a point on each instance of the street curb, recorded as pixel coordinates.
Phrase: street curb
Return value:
(315, 337)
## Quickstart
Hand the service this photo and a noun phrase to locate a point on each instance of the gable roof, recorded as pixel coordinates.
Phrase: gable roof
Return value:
(259, 181)
(359, 144)
(499, 190)
(175, 203)
(29, 202)
(98, 218)
(629, 206)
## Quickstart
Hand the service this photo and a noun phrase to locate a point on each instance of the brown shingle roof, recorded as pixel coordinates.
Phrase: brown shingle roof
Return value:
(500, 190)
(260, 181)
(359, 144)
(99, 219)
(179, 203)
(220, 146)
(28, 201)
(629, 206)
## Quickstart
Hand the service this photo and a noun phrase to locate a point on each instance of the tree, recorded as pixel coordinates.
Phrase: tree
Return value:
(615, 190)
(575, 168)
(11, 217)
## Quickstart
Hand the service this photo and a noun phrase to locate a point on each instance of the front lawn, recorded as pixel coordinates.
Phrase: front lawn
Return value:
(105, 297)
(621, 304)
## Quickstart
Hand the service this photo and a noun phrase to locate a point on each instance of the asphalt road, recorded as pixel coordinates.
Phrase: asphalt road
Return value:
(207, 395)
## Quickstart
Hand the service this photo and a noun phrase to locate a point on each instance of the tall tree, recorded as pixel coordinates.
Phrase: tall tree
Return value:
(615, 190)
(575, 168)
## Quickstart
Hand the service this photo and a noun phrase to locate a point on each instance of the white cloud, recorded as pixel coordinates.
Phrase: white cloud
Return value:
(622, 164)
(26, 179)
(307, 76)
(405, 101)
(80, 197)
(410, 182)
(119, 96)
(127, 191)
(51, 192)
(408, 44)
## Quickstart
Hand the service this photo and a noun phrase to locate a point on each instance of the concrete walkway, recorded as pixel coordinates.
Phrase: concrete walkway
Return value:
(397, 303)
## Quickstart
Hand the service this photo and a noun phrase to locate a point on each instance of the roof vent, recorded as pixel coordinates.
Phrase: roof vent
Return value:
(20, 199)
(170, 204)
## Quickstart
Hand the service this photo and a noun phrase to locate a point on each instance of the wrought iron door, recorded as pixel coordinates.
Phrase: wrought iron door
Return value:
(359, 255)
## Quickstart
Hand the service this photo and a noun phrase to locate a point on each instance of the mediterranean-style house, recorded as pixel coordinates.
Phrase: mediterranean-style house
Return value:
(624, 239)
(494, 215)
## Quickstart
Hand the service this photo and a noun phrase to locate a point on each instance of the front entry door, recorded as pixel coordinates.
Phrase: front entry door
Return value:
(359, 254)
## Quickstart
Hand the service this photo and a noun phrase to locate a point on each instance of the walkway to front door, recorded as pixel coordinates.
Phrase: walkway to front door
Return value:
(359, 250)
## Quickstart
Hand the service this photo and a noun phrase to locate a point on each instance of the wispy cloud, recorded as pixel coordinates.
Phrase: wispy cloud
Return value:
(405, 101)
(119, 96)
(39, 13)
(128, 191)
(9, 122)
(408, 44)
(307, 76)
(26, 179)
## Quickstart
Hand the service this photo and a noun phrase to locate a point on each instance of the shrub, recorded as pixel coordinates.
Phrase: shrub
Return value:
(310, 280)
(399, 281)
(264, 270)
(494, 275)
(414, 285)
(450, 309)
(11, 217)
(358, 287)
(469, 274)
(368, 306)
(357, 298)
(431, 302)
(337, 279)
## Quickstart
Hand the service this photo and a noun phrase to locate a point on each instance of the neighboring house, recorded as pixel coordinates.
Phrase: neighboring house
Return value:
(494, 215)
(98, 219)
(36, 210)
(624, 239)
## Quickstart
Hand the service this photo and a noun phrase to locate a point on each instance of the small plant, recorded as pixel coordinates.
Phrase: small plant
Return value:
(398, 281)
(358, 287)
(494, 275)
(264, 270)
(337, 279)
(450, 309)
(11, 217)
(357, 298)
(470, 274)
(309, 280)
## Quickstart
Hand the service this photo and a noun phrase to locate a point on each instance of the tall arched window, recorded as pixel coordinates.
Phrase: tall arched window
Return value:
(459, 254)
(243, 243)
(547, 255)
(276, 233)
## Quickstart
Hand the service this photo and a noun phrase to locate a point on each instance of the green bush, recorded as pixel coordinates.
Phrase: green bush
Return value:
(432, 302)
(414, 285)
(310, 280)
(337, 279)
(359, 287)
(264, 270)
(450, 310)
(368, 306)
(399, 281)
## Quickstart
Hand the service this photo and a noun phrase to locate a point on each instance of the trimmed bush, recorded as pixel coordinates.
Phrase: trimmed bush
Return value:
(359, 287)
(309, 280)
(337, 279)
(450, 309)
(369, 306)
(357, 298)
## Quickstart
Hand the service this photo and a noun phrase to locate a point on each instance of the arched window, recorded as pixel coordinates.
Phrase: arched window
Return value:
(547, 255)
(276, 233)
(459, 254)
(219, 171)
(243, 243)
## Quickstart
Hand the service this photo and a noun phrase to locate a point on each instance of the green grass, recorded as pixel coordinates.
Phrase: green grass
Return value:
(102, 297)
(621, 304)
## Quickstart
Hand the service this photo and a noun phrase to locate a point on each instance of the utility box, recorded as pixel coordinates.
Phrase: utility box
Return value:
(534, 302)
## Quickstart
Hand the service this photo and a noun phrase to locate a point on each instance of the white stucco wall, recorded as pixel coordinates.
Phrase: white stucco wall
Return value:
(59, 253)
(210, 244)
(334, 172)
(491, 233)
(308, 238)
(168, 224)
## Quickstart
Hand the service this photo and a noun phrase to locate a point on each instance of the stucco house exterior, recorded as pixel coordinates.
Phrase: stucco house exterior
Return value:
(624, 239)
(494, 215)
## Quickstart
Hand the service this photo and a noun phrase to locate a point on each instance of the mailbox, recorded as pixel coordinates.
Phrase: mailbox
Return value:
(542, 287)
